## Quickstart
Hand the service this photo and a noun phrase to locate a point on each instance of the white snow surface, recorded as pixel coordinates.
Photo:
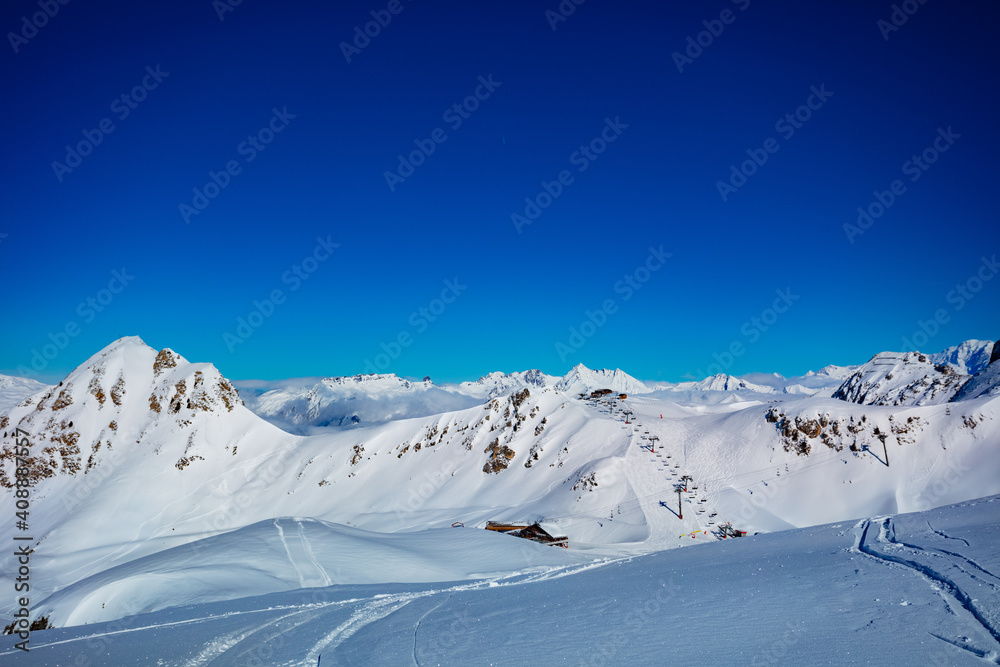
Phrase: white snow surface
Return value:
(906, 589)
(723, 382)
(912, 378)
(582, 379)
(968, 357)
(984, 383)
(14, 389)
(497, 383)
(288, 553)
(347, 401)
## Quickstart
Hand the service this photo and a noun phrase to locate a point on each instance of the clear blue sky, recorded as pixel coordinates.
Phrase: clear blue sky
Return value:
(323, 175)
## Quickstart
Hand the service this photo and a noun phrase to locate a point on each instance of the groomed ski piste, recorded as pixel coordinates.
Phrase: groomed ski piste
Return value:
(173, 526)
(920, 588)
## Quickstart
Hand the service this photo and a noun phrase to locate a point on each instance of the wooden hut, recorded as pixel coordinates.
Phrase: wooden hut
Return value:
(533, 532)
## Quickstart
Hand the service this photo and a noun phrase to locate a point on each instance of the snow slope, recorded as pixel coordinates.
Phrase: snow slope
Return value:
(307, 406)
(968, 357)
(901, 379)
(908, 589)
(984, 383)
(581, 379)
(723, 382)
(289, 553)
(13, 390)
(498, 384)
(348, 401)
(819, 383)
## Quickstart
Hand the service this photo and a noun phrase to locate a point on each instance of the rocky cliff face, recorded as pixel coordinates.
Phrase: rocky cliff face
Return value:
(126, 395)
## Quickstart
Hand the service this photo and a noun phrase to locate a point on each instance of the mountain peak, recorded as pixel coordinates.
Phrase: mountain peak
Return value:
(126, 395)
(892, 378)
(581, 379)
(723, 382)
(968, 357)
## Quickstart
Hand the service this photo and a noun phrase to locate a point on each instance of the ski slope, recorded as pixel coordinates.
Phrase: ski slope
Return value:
(919, 588)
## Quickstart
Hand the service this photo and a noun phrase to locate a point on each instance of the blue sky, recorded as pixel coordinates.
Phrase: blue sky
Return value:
(599, 101)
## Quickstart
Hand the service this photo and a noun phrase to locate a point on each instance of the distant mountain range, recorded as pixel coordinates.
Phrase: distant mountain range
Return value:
(310, 405)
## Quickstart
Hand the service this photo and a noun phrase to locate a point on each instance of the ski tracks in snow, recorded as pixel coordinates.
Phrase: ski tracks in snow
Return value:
(300, 554)
(971, 591)
(256, 638)
(380, 606)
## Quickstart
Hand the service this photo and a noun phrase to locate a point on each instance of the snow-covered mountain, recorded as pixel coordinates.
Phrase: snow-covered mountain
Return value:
(826, 375)
(14, 389)
(306, 407)
(127, 396)
(497, 383)
(167, 449)
(311, 405)
(723, 382)
(984, 383)
(800, 390)
(302, 407)
(127, 443)
(890, 378)
(968, 358)
(582, 379)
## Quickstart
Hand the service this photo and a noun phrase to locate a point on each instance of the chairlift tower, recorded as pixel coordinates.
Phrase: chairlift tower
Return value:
(685, 479)
(680, 508)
